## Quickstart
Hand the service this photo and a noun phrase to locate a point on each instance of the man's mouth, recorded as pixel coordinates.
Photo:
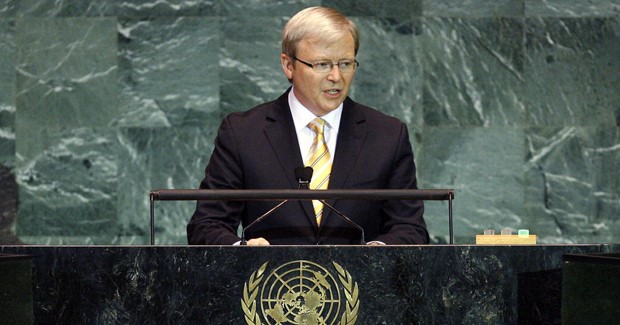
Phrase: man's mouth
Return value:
(333, 92)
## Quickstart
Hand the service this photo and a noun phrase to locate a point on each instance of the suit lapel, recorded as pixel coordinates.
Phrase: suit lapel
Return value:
(283, 139)
(351, 136)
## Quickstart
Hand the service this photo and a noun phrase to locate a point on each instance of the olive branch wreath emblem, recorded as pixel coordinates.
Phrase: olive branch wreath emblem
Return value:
(251, 290)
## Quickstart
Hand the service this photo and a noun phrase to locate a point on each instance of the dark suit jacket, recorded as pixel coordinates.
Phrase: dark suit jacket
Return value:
(258, 149)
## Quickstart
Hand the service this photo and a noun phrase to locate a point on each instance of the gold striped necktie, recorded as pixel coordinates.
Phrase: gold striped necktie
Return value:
(320, 162)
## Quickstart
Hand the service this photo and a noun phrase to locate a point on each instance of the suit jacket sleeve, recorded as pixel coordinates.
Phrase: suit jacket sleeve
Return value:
(216, 222)
(403, 221)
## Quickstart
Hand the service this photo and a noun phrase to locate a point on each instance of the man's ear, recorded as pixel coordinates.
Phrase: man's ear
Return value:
(287, 66)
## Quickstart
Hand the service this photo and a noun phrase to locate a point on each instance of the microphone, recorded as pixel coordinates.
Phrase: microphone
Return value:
(303, 176)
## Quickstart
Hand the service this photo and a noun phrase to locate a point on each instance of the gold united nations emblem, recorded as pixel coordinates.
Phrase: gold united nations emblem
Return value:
(300, 292)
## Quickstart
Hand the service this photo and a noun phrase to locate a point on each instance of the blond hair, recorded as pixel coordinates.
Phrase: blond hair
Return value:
(317, 23)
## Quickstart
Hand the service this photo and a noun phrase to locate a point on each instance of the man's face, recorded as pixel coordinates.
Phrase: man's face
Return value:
(321, 93)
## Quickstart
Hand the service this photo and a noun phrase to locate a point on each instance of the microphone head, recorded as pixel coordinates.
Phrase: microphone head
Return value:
(304, 174)
(307, 173)
(299, 173)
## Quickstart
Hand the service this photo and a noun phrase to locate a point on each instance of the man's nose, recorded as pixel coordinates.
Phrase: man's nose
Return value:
(334, 74)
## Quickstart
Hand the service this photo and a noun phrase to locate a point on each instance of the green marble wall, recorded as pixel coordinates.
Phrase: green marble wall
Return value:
(513, 103)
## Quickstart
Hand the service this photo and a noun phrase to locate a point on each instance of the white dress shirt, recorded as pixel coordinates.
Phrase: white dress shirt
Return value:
(302, 117)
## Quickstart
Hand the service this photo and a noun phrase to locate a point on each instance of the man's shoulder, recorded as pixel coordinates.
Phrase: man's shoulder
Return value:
(259, 111)
(371, 114)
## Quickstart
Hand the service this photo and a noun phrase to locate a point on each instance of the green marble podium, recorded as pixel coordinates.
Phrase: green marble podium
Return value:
(437, 284)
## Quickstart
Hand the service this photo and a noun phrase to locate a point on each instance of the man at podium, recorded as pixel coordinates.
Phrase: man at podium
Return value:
(314, 124)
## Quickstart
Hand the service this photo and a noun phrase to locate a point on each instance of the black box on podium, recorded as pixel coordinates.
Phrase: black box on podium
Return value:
(591, 288)
(16, 289)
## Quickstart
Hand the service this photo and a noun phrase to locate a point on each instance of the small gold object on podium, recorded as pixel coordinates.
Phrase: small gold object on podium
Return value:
(522, 238)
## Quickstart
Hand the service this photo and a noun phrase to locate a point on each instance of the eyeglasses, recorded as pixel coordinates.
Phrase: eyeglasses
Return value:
(327, 66)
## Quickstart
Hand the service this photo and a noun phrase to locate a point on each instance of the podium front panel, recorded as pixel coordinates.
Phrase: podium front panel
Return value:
(444, 284)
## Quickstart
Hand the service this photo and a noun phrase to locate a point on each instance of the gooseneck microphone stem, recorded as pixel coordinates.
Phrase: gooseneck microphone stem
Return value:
(259, 219)
(349, 221)
(303, 176)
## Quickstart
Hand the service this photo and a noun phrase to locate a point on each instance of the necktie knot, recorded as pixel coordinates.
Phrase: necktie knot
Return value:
(317, 125)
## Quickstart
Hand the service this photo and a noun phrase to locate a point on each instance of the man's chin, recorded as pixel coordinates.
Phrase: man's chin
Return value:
(328, 108)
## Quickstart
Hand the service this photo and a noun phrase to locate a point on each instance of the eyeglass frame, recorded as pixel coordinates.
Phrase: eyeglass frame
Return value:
(331, 65)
